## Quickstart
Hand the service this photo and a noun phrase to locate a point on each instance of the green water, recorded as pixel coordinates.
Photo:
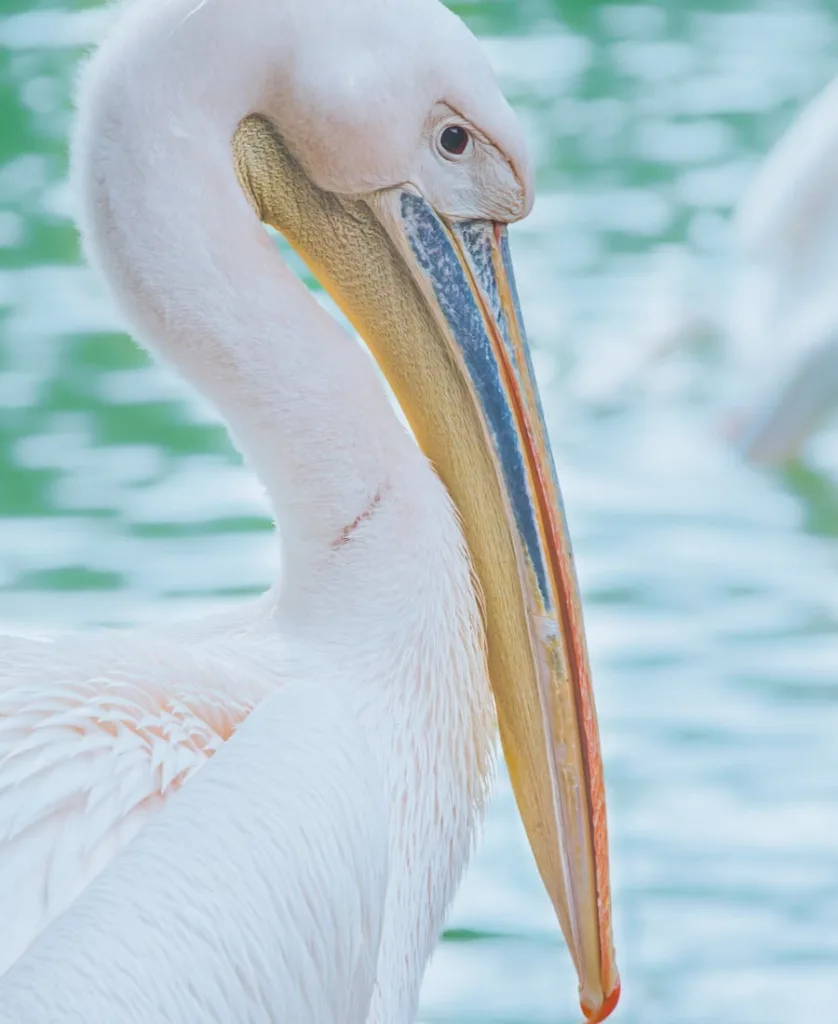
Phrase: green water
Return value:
(710, 587)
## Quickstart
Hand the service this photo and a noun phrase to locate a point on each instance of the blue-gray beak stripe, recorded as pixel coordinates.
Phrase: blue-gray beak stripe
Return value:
(436, 256)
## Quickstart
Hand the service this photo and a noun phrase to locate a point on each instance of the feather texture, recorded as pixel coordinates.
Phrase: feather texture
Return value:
(196, 921)
(95, 734)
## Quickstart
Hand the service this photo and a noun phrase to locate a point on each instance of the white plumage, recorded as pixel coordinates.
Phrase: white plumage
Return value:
(97, 732)
(224, 895)
(94, 734)
(387, 740)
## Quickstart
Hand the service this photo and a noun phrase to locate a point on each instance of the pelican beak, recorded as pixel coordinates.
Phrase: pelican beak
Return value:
(435, 302)
(547, 717)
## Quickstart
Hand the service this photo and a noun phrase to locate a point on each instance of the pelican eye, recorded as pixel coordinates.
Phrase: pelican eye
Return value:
(454, 139)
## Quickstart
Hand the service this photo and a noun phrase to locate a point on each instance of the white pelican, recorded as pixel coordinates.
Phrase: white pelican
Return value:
(304, 874)
(781, 323)
(784, 321)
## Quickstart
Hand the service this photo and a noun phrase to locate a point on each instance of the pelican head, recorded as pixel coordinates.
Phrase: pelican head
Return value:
(392, 164)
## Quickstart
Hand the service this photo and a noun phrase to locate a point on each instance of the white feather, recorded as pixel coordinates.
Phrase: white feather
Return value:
(90, 743)
(198, 920)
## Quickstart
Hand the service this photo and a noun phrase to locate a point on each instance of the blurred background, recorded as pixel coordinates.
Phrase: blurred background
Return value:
(710, 585)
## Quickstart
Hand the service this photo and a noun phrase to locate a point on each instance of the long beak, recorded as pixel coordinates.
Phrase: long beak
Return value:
(436, 304)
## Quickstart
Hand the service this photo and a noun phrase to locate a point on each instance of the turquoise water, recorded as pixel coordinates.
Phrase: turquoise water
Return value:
(710, 587)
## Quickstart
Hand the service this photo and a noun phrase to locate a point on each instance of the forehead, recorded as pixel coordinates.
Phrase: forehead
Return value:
(376, 51)
(365, 77)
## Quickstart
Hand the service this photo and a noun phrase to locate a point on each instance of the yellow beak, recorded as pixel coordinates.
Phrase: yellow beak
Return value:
(436, 304)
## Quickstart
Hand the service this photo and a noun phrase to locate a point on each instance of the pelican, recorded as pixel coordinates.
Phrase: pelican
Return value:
(344, 723)
(784, 318)
(781, 322)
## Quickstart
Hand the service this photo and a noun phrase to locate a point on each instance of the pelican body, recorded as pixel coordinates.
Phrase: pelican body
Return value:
(343, 724)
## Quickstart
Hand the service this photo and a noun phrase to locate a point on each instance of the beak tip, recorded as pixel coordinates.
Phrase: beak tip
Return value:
(595, 1015)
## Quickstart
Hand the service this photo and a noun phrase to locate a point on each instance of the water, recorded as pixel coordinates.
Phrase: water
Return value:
(709, 587)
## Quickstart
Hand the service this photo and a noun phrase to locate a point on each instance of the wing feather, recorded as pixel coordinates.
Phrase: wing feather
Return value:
(256, 894)
(95, 735)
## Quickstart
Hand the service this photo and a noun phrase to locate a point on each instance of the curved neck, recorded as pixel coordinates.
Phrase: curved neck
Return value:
(194, 271)
(165, 220)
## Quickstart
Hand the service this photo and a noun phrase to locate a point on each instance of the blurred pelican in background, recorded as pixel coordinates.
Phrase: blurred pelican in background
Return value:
(784, 316)
(780, 327)
(344, 723)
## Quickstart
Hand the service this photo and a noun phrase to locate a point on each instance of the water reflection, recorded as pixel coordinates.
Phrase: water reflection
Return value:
(710, 587)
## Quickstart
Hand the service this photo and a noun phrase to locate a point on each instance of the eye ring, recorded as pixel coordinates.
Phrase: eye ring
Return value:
(454, 140)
